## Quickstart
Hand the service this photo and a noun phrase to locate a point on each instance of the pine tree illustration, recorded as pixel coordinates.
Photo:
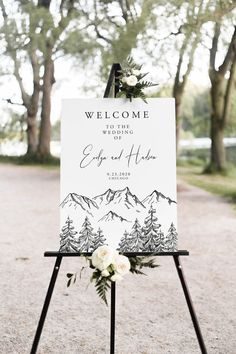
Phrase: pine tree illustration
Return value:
(151, 232)
(136, 238)
(124, 243)
(99, 239)
(171, 239)
(160, 242)
(86, 238)
(68, 243)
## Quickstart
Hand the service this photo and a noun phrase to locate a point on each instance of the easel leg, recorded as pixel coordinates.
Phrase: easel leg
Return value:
(113, 316)
(190, 305)
(46, 304)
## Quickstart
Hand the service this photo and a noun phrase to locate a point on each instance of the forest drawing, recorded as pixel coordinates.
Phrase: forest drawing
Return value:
(118, 218)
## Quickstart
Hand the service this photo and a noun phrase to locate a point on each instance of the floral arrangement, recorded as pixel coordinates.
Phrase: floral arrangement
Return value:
(131, 82)
(109, 266)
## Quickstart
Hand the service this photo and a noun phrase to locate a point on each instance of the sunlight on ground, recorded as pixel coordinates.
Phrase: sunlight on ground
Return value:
(222, 185)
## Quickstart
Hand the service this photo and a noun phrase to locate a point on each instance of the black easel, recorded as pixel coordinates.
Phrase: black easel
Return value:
(113, 78)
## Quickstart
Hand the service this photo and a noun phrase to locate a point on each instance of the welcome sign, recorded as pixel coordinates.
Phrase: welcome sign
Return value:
(118, 175)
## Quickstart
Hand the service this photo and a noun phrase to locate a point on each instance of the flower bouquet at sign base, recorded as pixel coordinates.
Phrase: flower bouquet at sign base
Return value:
(131, 83)
(109, 266)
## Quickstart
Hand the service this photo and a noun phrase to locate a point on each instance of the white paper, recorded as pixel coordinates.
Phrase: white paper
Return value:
(118, 162)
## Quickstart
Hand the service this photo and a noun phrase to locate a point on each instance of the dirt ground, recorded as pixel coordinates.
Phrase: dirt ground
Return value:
(152, 316)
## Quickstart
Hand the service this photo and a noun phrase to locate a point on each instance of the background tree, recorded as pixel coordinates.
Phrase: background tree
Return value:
(221, 92)
(37, 38)
(68, 243)
(13, 41)
(118, 25)
(12, 128)
(190, 22)
(191, 33)
(86, 238)
(196, 112)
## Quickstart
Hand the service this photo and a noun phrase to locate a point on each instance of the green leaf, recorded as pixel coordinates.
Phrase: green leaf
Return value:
(137, 271)
(136, 91)
(80, 273)
(120, 94)
(71, 277)
(142, 76)
(102, 285)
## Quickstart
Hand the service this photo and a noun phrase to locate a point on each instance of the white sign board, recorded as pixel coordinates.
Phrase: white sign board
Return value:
(118, 175)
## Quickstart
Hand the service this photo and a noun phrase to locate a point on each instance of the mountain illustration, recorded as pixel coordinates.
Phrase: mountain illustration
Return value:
(111, 216)
(156, 197)
(77, 201)
(105, 198)
(123, 197)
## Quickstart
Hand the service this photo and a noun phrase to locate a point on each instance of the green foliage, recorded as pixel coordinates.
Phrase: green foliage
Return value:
(190, 162)
(131, 69)
(31, 159)
(196, 111)
(71, 278)
(125, 30)
(138, 263)
(35, 159)
(56, 131)
(202, 156)
(13, 128)
(102, 285)
(78, 46)
(223, 185)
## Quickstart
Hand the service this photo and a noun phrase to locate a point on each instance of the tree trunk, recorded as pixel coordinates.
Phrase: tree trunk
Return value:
(45, 126)
(221, 91)
(32, 134)
(218, 157)
(178, 100)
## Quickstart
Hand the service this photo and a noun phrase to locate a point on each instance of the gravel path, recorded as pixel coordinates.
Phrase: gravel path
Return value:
(152, 317)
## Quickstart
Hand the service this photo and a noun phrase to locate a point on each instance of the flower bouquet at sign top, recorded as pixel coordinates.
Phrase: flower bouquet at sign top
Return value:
(109, 266)
(131, 83)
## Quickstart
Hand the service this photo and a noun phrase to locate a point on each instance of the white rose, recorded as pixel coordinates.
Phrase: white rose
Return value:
(97, 263)
(115, 255)
(121, 265)
(116, 277)
(131, 80)
(124, 79)
(105, 273)
(102, 257)
(136, 72)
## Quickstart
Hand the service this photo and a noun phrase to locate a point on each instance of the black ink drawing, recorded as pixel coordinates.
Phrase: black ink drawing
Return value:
(133, 156)
(112, 216)
(88, 241)
(68, 242)
(138, 222)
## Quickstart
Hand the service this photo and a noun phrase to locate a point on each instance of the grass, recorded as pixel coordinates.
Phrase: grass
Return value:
(48, 162)
(224, 186)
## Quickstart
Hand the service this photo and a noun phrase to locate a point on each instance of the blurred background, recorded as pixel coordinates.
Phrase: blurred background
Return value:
(54, 49)
(58, 49)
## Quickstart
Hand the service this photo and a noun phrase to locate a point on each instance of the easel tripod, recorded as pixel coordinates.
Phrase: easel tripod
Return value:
(113, 77)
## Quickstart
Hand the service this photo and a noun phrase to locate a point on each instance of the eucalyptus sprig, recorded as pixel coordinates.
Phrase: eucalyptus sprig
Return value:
(131, 83)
